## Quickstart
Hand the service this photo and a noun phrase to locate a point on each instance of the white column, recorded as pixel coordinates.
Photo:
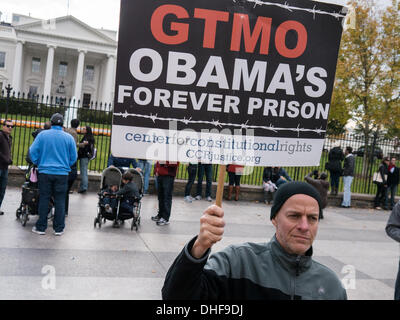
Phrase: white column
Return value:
(108, 80)
(79, 75)
(49, 72)
(18, 62)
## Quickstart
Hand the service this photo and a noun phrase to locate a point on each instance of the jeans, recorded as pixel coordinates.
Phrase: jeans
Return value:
(56, 186)
(397, 285)
(145, 166)
(84, 163)
(347, 181)
(393, 190)
(207, 169)
(3, 184)
(165, 189)
(113, 202)
(192, 171)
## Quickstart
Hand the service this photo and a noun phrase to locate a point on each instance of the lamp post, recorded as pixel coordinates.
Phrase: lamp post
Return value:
(8, 89)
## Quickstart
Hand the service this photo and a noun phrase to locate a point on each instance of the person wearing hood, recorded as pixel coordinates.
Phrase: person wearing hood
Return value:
(278, 270)
(334, 165)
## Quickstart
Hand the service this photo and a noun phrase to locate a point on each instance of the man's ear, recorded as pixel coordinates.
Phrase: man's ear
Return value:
(274, 221)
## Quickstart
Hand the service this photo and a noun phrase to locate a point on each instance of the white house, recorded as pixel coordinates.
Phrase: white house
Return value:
(63, 57)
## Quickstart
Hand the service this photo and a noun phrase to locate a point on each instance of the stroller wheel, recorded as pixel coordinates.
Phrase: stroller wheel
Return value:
(24, 219)
(95, 222)
(18, 213)
(104, 220)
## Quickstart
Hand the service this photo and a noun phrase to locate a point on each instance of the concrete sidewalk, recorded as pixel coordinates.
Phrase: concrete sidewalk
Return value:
(107, 263)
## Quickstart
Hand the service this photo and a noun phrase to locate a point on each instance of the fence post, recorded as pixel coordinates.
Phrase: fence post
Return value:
(8, 89)
(371, 160)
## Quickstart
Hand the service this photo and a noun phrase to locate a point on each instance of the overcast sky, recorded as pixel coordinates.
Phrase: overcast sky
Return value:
(96, 13)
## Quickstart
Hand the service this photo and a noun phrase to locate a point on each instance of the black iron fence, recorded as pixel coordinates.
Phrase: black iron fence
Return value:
(30, 112)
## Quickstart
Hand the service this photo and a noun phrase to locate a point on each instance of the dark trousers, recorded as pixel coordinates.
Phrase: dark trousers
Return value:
(204, 169)
(192, 171)
(234, 179)
(165, 189)
(71, 179)
(3, 183)
(381, 196)
(392, 189)
(335, 178)
(52, 186)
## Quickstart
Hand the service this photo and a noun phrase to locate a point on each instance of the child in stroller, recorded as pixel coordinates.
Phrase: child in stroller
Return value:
(120, 205)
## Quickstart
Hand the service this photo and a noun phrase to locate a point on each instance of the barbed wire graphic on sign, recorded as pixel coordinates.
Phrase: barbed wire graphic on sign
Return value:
(290, 8)
(219, 124)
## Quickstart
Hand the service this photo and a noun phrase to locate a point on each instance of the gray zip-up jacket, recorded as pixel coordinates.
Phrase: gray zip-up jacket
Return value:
(251, 272)
(393, 224)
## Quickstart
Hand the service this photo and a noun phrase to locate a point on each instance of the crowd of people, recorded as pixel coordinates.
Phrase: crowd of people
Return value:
(295, 213)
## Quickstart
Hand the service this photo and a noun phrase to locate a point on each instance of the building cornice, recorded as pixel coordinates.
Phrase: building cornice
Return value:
(66, 18)
(51, 36)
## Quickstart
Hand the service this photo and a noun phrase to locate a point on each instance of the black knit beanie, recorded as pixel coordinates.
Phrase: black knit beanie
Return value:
(289, 189)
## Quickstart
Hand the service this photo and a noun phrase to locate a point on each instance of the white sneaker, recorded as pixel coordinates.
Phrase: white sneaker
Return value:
(162, 222)
(58, 233)
(197, 198)
(209, 199)
(188, 199)
(34, 230)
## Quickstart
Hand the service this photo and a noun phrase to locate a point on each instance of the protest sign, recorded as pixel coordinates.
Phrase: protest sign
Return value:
(225, 81)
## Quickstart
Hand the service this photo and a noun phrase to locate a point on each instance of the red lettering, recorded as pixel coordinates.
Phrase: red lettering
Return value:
(280, 39)
(211, 18)
(182, 29)
(241, 23)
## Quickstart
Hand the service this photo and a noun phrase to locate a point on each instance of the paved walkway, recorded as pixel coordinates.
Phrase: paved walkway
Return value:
(107, 263)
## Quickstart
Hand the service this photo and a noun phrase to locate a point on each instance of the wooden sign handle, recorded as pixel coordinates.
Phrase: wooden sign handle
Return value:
(220, 187)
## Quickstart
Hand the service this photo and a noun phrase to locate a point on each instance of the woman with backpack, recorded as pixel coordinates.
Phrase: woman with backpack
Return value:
(85, 153)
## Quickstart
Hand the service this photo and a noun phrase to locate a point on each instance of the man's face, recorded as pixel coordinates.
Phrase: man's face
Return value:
(393, 161)
(296, 224)
(8, 126)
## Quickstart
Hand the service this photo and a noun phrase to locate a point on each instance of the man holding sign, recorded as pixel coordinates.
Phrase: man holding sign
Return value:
(279, 270)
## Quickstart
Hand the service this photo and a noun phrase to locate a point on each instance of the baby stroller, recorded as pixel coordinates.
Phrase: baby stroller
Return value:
(30, 197)
(113, 176)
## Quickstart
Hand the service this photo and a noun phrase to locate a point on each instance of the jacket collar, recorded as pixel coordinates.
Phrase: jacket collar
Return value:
(291, 262)
(56, 128)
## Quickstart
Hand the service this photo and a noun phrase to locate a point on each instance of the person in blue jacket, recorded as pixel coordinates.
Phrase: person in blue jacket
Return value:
(53, 152)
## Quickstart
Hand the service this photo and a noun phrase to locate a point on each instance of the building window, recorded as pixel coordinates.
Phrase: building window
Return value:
(86, 100)
(2, 60)
(63, 68)
(1, 88)
(89, 73)
(35, 65)
(32, 91)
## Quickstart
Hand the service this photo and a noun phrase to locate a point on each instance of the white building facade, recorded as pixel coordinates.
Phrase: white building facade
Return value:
(63, 58)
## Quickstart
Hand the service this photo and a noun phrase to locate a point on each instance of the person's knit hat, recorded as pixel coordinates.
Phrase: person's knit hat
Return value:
(290, 189)
(57, 120)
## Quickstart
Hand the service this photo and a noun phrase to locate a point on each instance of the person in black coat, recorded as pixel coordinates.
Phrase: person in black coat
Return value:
(381, 193)
(334, 165)
(85, 152)
(393, 181)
